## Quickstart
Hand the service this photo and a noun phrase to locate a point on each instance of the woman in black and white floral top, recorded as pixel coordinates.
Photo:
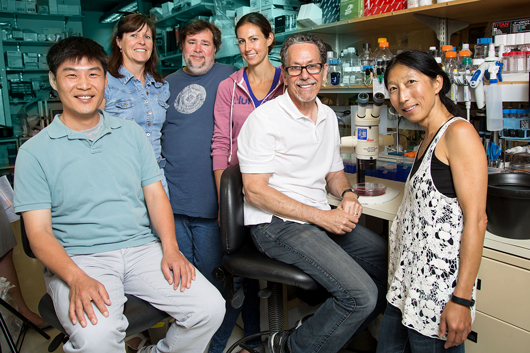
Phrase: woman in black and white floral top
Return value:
(436, 238)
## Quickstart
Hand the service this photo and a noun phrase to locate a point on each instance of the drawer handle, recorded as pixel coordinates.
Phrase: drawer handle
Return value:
(479, 283)
(473, 336)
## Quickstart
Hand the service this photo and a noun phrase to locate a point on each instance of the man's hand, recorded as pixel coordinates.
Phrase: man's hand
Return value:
(456, 322)
(177, 269)
(351, 205)
(83, 291)
(338, 221)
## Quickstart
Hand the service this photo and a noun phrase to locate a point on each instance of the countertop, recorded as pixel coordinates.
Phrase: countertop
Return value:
(388, 210)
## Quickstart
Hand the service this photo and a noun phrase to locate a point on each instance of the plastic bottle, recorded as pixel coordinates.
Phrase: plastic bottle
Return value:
(445, 49)
(463, 55)
(346, 76)
(436, 55)
(450, 62)
(494, 106)
(334, 72)
(367, 63)
(481, 48)
(381, 57)
(330, 57)
(505, 62)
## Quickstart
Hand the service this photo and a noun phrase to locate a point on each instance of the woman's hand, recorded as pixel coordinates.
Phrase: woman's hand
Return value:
(456, 322)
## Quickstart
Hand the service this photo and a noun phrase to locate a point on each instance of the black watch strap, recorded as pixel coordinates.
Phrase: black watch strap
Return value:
(348, 190)
(462, 301)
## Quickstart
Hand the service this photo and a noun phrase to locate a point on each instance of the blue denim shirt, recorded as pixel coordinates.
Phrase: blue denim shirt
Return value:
(127, 98)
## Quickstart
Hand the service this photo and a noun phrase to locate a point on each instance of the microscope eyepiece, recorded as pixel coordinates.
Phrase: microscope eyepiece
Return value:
(379, 98)
(363, 98)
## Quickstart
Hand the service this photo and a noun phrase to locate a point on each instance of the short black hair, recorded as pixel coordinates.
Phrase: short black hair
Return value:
(76, 48)
(427, 65)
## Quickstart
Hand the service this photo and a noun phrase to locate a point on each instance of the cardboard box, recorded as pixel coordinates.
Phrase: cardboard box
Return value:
(20, 6)
(294, 3)
(240, 12)
(330, 11)
(11, 6)
(62, 9)
(74, 10)
(31, 6)
(310, 15)
(3, 5)
(376, 7)
(255, 5)
(14, 60)
(53, 9)
(350, 9)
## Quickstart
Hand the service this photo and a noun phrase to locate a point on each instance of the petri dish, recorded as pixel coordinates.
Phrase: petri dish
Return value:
(369, 189)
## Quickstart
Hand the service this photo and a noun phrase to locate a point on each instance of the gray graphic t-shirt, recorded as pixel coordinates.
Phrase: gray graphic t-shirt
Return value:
(187, 138)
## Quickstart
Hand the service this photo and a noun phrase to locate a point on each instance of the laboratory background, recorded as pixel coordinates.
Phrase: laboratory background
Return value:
(483, 46)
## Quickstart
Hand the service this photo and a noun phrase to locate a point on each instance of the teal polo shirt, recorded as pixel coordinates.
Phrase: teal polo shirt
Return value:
(93, 188)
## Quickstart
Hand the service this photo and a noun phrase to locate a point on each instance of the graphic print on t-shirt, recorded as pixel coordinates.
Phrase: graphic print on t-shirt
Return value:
(190, 99)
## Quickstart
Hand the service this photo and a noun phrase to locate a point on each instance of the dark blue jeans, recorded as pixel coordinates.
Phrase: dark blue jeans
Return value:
(351, 267)
(200, 242)
(396, 338)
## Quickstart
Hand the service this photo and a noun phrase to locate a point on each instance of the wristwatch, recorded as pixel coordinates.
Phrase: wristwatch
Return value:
(349, 190)
(462, 301)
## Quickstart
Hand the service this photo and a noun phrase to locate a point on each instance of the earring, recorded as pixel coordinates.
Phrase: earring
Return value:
(120, 50)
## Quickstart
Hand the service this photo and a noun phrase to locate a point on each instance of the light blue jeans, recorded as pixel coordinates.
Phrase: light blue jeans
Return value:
(396, 338)
(198, 311)
(199, 240)
(351, 267)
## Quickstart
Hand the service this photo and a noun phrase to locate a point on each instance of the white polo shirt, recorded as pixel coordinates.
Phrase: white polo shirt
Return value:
(278, 139)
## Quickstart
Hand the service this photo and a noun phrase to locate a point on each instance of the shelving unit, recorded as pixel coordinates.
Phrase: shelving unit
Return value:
(36, 23)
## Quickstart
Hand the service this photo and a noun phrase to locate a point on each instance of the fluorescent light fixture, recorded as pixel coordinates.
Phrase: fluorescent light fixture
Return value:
(112, 18)
(118, 11)
(133, 6)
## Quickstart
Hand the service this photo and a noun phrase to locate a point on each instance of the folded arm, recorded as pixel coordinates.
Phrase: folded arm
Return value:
(259, 193)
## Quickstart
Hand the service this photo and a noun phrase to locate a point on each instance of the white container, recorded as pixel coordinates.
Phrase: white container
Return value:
(413, 3)
(425, 2)
(440, 1)
(493, 106)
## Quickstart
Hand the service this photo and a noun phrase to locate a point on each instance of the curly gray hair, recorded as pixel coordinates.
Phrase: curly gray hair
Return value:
(303, 38)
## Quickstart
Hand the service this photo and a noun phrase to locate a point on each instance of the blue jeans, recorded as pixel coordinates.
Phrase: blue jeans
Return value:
(351, 267)
(199, 240)
(249, 313)
(396, 338)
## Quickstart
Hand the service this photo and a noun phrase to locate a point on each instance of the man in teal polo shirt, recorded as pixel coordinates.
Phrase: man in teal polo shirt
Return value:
(87, 187)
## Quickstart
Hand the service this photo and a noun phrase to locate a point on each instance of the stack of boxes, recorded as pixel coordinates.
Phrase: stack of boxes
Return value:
(280, 13)
(52, 7)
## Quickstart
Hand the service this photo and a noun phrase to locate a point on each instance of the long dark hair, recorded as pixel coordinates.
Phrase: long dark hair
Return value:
(127, 24)
(425, 63)
(261, 22)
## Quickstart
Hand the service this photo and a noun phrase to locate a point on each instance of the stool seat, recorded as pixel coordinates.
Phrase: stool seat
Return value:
(250, 263)
(140, 314)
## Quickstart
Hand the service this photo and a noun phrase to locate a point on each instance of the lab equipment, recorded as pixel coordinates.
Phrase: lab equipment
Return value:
(367, 140)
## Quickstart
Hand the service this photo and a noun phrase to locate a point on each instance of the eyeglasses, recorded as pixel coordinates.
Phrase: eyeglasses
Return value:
(311, 69)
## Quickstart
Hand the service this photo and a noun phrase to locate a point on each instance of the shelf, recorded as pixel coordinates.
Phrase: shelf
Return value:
(346, 89)
(187, 13)
(470, 11)
(43, 16)
(28, 42)
(8, 69)
(175, 57)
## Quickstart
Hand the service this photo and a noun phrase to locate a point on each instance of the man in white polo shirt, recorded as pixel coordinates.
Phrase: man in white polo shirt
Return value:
(289, 155)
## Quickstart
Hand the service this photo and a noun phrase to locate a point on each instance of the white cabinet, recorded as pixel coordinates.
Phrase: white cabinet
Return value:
(502, 323)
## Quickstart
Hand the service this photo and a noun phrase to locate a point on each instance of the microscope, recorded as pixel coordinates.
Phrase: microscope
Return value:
(366, 141)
